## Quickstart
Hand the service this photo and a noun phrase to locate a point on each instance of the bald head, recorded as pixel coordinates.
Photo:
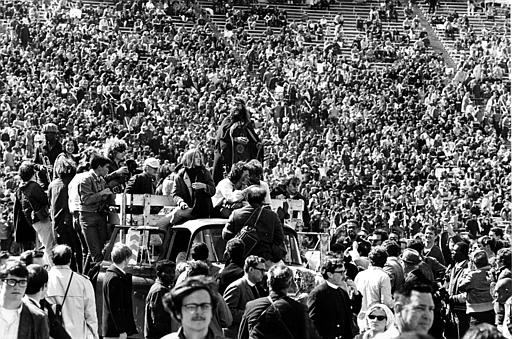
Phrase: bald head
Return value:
(255, 195)
(61, 255)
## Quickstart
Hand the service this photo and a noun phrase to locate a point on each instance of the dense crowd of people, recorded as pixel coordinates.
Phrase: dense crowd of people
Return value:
(406, 167)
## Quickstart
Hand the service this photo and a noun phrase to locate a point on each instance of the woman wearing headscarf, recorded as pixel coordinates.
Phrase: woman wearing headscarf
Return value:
(378, 321)
(193, 188)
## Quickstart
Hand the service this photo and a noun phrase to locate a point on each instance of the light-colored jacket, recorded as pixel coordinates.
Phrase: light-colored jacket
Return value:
(79, 309)
(84, 190)
(375, 286)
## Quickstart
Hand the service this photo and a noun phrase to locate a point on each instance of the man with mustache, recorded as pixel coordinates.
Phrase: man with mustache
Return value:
(191, 303)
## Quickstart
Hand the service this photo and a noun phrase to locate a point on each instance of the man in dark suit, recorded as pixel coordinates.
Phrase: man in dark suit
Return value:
(243, 290)
(144, 183)
(330, 307)
(18, 319)
(275, 316)
(234, 269)
(117, 316)
(270, 232)
(157, 321)
(455, 273)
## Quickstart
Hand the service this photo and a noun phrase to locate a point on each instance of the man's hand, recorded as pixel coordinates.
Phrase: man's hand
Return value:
(122, 171)
(123, 335)
(242, 140)
(199, 186)
(352, 287)
(183, 205)
(106, 191)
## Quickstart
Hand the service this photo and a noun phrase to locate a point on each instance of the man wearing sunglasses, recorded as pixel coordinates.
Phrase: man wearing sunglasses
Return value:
(18, 319)
(330, 306)
(243, 290)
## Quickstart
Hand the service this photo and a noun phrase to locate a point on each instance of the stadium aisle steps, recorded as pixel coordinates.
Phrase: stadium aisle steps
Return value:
(301, 13)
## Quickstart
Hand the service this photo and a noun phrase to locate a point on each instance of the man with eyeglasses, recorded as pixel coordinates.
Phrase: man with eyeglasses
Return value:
(191, 303)
(19, 319)
(330, 306)
(243, 290)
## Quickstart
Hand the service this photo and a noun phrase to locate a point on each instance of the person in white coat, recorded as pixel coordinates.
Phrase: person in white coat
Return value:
(76, 295)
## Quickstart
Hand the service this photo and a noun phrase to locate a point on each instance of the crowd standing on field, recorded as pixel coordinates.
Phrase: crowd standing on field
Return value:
(406, 168)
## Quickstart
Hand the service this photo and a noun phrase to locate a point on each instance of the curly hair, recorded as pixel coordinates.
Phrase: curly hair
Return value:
(237, 171)
(114, 146)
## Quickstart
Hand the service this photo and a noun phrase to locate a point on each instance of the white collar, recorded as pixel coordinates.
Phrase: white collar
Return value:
(330, 284)
(119, 268)
(251, 284)
(34, 301)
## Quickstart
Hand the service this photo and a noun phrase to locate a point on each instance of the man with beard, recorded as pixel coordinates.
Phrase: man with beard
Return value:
(236, 141)
(455, 274)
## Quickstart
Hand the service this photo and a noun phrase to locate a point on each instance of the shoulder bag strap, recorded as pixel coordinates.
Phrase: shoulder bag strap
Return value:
(258, 218)
(247, 220)
(67, 289)
(280, 318)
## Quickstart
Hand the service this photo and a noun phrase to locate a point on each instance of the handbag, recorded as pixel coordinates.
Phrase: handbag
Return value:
(249, 235)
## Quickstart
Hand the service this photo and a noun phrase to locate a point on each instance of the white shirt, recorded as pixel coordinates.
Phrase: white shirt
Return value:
(374, 285)
(9, 322)
(226, 190)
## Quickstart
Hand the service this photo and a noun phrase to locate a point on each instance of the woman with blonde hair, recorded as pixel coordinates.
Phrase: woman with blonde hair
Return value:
(193, 188)
(378, 321)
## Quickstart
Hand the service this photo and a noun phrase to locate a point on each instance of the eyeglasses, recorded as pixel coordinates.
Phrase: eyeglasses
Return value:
(13, 282)
(378, 317)
(193, 308)
(340, 271)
